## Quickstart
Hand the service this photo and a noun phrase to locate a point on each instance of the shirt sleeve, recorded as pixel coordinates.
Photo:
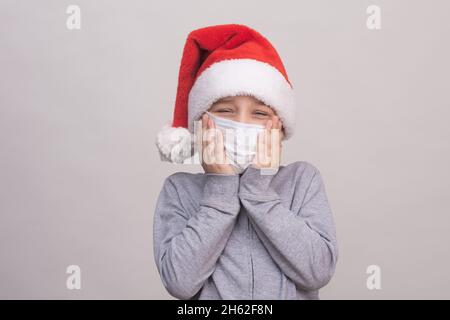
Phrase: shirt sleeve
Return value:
(303, 244)
(187, 245)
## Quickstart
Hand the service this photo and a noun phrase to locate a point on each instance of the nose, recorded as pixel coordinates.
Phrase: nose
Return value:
(242, 116)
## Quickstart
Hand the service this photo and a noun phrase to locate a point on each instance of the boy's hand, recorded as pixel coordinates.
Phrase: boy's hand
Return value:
(212, 153)
(268, 150)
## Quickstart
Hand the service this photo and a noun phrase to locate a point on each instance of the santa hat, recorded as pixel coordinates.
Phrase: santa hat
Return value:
(220, 61)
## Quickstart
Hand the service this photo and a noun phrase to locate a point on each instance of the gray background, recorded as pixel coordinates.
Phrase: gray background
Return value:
(79, 172)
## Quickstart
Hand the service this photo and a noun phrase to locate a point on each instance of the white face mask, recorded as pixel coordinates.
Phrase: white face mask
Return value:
(240, 141)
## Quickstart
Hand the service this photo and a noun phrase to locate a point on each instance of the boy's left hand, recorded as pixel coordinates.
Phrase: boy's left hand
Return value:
(268, 150)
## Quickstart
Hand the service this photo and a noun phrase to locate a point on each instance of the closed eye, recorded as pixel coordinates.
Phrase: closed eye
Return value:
(223, 110)
(261, 113)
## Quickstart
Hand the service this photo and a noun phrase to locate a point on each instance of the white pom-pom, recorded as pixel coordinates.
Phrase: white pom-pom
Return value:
(174, 144)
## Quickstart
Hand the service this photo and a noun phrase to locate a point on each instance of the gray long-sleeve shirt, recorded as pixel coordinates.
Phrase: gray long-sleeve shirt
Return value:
(247, 236)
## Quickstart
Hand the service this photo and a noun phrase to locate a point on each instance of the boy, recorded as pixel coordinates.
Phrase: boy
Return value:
(236, 232)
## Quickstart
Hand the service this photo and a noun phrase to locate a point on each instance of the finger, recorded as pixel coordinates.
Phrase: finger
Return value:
(204, 127)
(208, 140)
(215, 136)
(258, 138)
(269, 139)
(269, 131)
(276, 143)
(277, 123)
(264, 146)
(275, 148)
(219, 144)
(205, 118)
(274, 125)
(201, 138)
(279, 127)
(220, 149)
(209, 130)
(260, 154)
(210, 146)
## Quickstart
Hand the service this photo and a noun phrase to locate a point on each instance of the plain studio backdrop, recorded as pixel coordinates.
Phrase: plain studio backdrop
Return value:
(80, 109)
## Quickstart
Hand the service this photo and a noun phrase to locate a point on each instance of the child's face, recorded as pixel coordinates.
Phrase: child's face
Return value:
(246, 109)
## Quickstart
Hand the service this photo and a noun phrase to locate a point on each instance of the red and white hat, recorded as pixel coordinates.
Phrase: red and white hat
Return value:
(220, 61)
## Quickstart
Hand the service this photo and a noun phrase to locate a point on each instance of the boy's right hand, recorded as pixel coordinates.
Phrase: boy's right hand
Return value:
(212, 153)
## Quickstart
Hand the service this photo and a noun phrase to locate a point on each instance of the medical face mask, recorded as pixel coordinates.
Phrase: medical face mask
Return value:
(240, 141)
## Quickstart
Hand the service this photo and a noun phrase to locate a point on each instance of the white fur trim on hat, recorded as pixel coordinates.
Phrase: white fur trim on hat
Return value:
(174, 144)
(243, 77)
